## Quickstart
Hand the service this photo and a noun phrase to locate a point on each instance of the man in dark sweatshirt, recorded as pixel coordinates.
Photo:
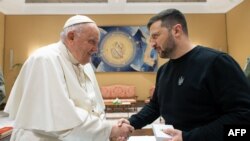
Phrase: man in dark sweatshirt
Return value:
(198, 91)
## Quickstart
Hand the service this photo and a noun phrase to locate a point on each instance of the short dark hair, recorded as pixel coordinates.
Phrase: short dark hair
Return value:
(169, 18)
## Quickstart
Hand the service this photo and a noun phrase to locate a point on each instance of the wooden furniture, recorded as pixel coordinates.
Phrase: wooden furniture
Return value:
(125, 93)
(124, 106)
(143, 132)
(6, 126)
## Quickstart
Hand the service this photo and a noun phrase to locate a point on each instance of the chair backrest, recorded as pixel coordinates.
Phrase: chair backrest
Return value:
(118, 91)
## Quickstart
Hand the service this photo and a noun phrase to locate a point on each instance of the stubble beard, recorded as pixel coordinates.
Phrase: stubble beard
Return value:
(169, 48)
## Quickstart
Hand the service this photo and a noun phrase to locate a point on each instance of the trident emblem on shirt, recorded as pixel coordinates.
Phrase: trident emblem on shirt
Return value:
(181, 80)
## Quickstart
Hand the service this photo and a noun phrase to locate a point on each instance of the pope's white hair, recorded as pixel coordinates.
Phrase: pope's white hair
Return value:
(77, 28)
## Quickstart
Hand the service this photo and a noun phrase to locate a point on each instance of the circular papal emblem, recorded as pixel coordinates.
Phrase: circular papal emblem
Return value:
(117, 49)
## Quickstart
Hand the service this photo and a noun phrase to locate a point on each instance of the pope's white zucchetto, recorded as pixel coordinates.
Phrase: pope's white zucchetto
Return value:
(77, 19)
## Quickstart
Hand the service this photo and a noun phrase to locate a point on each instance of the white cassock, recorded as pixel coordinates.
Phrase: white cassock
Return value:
(51, 101)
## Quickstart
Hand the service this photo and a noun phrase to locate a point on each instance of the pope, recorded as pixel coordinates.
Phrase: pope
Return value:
(56, 95)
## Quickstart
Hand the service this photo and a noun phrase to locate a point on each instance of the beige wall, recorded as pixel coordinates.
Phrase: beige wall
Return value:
(1, 39)
(208, 30)
(238, 29)
(26, 33)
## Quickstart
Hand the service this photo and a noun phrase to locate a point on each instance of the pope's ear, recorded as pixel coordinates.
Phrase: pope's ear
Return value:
(70, 35)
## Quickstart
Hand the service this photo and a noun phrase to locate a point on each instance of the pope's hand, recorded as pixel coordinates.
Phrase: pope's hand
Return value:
(121, 132)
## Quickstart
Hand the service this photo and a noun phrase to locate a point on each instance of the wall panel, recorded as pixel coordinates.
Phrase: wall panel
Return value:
(25, 33)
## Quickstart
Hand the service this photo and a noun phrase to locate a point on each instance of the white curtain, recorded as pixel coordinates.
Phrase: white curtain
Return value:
(2, 89)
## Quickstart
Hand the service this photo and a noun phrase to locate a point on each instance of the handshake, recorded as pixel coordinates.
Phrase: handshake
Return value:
(121, 131)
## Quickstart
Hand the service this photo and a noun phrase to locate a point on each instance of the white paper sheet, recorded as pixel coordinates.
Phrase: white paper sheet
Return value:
(159, 134)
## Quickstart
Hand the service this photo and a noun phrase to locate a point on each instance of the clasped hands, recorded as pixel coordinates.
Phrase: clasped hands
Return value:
(126, 129)
(121, 131)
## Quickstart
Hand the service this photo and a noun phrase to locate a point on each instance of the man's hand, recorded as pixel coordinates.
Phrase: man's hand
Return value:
(121, 132)
(121, 121)
(176, 134)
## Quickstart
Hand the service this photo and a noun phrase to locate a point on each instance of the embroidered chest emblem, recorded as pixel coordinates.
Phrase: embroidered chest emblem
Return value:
(181, 80)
